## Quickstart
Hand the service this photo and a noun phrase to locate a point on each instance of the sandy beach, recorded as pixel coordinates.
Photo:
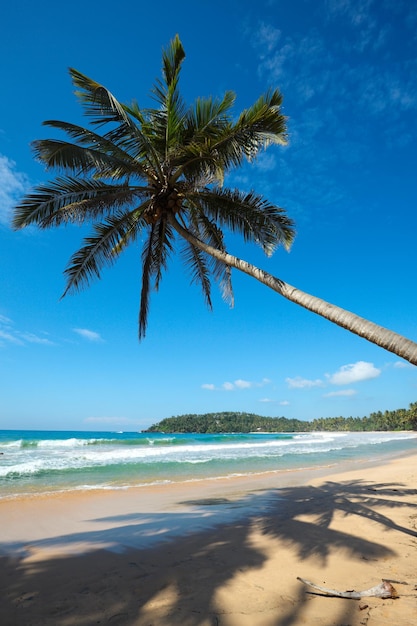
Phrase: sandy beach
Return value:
(220, 552)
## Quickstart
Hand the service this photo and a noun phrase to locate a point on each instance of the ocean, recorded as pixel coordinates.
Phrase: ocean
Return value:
(35, 462)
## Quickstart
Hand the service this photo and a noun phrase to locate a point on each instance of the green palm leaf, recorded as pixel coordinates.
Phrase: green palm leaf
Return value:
(206, 230)
(100, 153)
(248, 214)
(98, 102)
(196, 262)
(101, 249)
(74, 200)
(155, 254)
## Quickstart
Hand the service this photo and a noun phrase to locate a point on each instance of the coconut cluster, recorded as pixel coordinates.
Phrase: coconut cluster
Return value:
(162, 203)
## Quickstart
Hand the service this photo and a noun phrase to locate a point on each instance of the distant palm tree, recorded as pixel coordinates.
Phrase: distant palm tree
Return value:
(158, 173)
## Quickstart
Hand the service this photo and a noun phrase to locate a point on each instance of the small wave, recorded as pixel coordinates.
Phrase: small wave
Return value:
(28, 444)
(19, 471)
(132, 442)
(18, 443)
(63, 443)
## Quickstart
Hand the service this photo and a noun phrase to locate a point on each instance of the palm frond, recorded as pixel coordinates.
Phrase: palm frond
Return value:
(263, 122)
(75, 200)
(255, 129)
(141, 145)
(98, 102)
(101, 249)
(204, 229)
(222, 273)
(162, 250)
(79, 160)
(155, 256)
(138, 222)
(168, 120)
(172, 57)
(207, 118)
(138, 143)
(248, 214)
(204, 124)
(134, 111)
(146, 284)
(102, 148)
(195, 261)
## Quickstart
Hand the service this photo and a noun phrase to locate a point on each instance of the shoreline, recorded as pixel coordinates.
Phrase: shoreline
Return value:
(226, 552)
(330, 465)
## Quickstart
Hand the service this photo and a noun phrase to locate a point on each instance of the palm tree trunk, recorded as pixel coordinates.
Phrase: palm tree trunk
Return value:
(387, 339)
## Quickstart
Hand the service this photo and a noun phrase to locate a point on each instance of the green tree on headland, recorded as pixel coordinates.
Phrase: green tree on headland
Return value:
(238, 422)
(226, 422)
(157, 175)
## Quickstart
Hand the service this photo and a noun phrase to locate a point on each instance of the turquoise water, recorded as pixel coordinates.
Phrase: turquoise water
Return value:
(49, 461)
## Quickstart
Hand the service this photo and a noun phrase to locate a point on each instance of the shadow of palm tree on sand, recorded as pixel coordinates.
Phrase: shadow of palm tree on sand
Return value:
(152, 554)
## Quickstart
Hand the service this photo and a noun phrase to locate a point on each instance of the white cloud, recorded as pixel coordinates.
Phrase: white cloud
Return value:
(309, 64)
(342, 392)
(270, 400)
(266, 162)
(267, 37)
(275, 64)
(303, 383)
(237, 384)
(12, 187)
(9, 335)
(243, 384)
(353, 373)
(401, 365)
(110, 421)
(90, 335)
(32, 338)
(345, 375)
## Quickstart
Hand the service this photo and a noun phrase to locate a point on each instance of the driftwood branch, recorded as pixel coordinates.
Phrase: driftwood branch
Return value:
(383, 590)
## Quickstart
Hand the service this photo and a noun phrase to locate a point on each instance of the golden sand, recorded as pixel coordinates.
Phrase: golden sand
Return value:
(225, 552)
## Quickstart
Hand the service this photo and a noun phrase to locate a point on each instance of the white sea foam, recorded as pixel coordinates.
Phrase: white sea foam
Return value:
(67, 443)
(69, 460)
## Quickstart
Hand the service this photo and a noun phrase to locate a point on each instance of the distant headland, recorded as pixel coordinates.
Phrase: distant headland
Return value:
(235, 422)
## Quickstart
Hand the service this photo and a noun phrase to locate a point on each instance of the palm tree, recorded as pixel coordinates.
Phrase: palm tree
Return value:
(158, 174)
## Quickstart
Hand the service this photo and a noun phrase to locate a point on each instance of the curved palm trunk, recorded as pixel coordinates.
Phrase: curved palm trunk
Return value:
(391, 341)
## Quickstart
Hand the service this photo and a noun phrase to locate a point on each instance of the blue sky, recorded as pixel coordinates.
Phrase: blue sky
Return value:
(347, 70)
